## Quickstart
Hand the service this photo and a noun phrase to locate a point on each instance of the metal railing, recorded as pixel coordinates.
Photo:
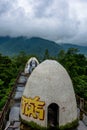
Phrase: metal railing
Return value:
(82, 104)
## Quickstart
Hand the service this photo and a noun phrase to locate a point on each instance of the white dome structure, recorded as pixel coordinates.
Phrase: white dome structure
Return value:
(30, 65)
(49, 98)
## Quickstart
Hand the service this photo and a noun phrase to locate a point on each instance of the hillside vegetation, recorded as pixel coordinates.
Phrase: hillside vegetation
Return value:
(12, 46)
(76, 65)
(82, 49)
(9, 69)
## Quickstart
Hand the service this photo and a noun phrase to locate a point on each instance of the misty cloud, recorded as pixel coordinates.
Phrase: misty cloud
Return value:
(57, 20)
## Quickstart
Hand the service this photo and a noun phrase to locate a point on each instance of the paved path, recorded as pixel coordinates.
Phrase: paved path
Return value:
(14, 121)
(81, 126)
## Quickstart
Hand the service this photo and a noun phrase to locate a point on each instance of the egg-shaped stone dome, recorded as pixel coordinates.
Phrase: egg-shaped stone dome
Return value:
(30, 65)
(49, 98)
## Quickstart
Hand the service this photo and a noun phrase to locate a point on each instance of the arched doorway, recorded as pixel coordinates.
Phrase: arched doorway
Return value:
(53, 115)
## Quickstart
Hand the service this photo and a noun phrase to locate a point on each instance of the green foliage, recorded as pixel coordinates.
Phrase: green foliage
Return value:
(20, 60)
(9, 69)
(76, 65)
(61, 55)
(80, 85)
(3, 100)
(7, 73)
(1, 82)
(46, 55)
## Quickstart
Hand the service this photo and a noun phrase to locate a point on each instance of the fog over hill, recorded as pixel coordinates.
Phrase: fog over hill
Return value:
(54, 20)
(12, 46)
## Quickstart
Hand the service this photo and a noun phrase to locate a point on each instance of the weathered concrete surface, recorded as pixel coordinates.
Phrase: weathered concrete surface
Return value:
(20, 89)
(81, 126)
(22, 79)
(18, 96)
(20, 85)
(14, 114)
(85, 119)
(51, 83)
(15, 126)
(16, 104)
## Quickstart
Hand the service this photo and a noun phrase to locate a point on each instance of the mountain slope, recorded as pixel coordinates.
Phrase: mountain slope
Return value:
(12, 46)
(81, 49)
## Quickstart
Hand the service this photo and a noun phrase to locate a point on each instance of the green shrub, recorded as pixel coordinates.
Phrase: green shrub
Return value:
(2, 102)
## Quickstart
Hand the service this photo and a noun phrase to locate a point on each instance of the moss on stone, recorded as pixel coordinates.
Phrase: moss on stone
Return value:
(69, 126)
(35, 126)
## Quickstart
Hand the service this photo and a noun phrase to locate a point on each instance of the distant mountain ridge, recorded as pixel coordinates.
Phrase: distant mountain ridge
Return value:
(12, 46)
(81, 49)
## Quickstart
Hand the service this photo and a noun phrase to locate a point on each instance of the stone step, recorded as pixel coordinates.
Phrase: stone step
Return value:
(14, 114)
(81, 126)
(18, 96)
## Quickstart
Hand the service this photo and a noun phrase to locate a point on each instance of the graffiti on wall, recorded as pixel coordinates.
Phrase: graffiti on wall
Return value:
(33, 107)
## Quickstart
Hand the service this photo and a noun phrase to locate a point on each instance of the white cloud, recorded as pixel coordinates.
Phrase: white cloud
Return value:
(57, 20)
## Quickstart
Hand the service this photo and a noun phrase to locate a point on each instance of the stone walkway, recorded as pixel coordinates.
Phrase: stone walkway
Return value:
(81, 126)
(14, 122)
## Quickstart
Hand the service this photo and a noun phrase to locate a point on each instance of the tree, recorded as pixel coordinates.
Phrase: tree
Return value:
(76, 65)
(20, 60)
(72, 51)
(61, 55)
(46, 55)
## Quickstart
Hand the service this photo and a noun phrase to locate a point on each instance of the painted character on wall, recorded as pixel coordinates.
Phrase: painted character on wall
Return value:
(33, 107)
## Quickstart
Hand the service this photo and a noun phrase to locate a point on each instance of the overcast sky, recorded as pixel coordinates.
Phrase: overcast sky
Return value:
(57, 20)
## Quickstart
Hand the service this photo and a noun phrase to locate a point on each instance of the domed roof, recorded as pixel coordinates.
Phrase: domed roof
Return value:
(30, 62)
(32, 58)
(52, 79)
(52, 84)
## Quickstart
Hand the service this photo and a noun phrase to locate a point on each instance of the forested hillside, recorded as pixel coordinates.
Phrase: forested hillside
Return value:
(12, 46)
(82, 49)
(76, 65)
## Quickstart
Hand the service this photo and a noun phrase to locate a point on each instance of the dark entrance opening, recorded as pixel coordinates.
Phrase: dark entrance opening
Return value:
(53, 115)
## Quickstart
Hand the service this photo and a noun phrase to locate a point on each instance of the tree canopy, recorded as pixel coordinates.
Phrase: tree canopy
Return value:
(76, 65)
